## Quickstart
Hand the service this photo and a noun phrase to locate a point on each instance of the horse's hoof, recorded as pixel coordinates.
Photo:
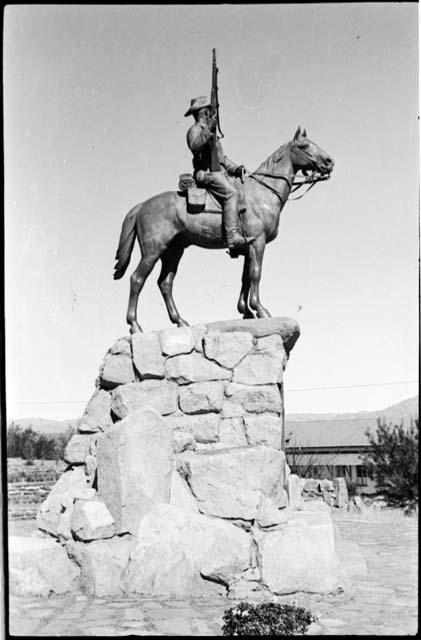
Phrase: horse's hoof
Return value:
(263, 313)
(248, 316)
(135, 328)
(182, 323)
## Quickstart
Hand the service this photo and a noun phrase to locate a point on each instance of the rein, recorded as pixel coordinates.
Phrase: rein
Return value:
(294, 186)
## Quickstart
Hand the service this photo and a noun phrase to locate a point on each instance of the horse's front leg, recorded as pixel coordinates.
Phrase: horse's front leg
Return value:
(243, 300)
(257, 250)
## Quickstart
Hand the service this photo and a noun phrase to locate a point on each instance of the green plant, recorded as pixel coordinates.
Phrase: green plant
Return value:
(352, 487)
(393, 463)
(267, 619)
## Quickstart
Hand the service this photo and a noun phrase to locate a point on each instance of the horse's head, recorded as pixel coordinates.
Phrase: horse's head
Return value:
(308, 156)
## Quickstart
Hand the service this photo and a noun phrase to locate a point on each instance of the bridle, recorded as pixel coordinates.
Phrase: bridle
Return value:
(293, 186)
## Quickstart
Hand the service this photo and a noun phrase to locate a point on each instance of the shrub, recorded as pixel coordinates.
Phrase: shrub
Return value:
(393, 463)
(352, 487)
(267, 619)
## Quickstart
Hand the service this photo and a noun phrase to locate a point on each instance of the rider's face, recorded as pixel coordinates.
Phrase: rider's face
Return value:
(204, 114)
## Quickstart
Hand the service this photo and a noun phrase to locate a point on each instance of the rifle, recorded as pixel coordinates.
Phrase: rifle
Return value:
(215, 165)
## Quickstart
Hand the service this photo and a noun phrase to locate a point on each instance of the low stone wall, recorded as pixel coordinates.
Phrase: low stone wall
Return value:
(177, 478)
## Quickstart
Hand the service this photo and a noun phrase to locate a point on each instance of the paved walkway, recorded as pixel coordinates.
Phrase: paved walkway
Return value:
(384, 602)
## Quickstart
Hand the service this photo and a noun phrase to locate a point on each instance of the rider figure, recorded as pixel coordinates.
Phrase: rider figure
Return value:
(204, 144)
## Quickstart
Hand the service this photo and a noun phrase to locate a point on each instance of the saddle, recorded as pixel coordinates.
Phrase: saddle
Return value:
(199, 199)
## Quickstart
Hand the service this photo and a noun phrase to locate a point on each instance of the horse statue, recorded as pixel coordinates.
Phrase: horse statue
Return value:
(164, 228)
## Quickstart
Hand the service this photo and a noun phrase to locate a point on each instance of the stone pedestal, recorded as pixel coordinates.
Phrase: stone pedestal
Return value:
(179, 457)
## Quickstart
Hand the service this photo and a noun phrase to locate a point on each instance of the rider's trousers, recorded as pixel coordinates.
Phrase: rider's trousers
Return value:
(217, 183)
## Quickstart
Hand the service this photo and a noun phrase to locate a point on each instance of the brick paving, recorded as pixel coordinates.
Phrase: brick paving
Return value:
(382, 602)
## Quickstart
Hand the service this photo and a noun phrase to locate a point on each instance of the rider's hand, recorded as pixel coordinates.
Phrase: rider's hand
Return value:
(240, 171)
(212, 123)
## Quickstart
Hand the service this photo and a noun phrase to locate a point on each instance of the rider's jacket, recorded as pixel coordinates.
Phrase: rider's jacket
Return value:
(200, 140)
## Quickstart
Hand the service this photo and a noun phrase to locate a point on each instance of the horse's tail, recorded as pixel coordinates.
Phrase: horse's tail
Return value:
(125, 245)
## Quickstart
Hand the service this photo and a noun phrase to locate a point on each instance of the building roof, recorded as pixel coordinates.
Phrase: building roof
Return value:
(335, 459)
(328, 433)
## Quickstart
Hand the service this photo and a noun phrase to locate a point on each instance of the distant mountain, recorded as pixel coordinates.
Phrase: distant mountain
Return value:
(406, 410)
(42, 425)
(344, 429)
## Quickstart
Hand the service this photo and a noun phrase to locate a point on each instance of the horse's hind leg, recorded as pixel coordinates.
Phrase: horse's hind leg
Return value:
(243, 300)
(137, 280)
(170, 260)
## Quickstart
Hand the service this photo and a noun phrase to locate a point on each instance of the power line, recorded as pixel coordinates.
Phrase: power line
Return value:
(373, 415)
(47, 402)
(350, 386)
(355, 386)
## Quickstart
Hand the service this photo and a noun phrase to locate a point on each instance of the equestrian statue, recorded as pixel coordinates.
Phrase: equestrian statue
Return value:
(220, 206)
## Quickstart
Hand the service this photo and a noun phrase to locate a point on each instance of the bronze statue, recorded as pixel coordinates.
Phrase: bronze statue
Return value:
(164, 228)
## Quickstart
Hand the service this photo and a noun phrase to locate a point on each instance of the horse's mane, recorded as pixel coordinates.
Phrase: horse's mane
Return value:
(268, 165)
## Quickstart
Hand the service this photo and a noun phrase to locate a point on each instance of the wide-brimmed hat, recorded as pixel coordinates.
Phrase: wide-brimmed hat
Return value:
(197, 103)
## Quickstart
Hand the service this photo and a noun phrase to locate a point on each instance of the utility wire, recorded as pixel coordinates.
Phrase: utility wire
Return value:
(350, 386)
(355, 386)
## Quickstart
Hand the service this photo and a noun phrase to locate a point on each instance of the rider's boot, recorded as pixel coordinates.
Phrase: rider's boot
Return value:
(235, 240)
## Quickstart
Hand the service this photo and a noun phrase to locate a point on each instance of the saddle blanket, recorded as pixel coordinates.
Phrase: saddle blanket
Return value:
(199, 200)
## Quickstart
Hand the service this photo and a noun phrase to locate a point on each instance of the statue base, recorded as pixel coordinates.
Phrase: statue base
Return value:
(177, 483)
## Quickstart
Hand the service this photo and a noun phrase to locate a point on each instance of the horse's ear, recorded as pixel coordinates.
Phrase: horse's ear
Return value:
(304, 133)
(297, 133)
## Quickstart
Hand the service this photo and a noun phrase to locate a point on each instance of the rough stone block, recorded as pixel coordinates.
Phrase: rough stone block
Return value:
(229, 483)
(103, 565)
(201, 397)
(255, 399)
(294, 488)
(174, 342)
(90, 466)
(193, 367)
(60, 499)
(199, 331)
(274, 345)
(134, 459)
(231, 432)
(147, 357)
(174, 548)
(287, 328)
(341, 492)
(183, 440)
(326, 485)
(227, 348)
(97, 415)
(159, 394)
(259, 368)
(116, 370)
(264, 429)
(91, 520)
(40, 567)
(122, 346)
(290, 560)
(268, 514)
(203, 427)
(311, 485)
(270, 344)
(78, 448)
(321, 526)
(329, 498)
(180, 493)
(231, 409)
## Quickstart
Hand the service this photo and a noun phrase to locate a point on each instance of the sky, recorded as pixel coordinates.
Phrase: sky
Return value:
(94, 98)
